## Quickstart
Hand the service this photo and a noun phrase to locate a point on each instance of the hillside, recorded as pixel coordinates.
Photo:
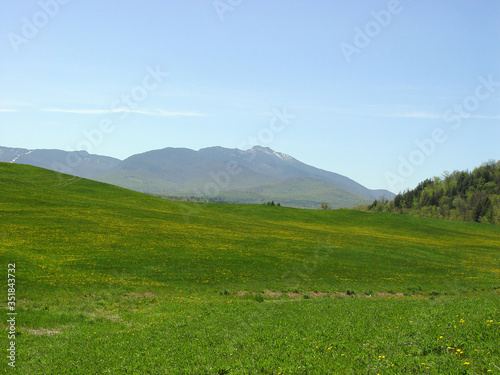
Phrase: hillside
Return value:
(105, 275)
(296, 192)
(460, 195)
(128, 238)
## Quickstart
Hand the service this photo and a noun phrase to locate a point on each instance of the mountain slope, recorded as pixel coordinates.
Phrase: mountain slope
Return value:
(250, 176)
(297, 192)
(266, 161)
(178, 170)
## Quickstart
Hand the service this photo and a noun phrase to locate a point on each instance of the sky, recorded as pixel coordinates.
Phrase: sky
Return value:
(387, 93)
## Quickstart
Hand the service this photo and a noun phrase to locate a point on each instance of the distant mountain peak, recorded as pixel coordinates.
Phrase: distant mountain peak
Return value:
(262, 148)
(270, 151)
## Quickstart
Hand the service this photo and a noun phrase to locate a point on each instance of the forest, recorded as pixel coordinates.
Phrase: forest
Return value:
(460, 195)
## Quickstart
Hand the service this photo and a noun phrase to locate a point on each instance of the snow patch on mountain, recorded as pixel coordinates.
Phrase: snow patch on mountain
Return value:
(283, 156)
(19, 155)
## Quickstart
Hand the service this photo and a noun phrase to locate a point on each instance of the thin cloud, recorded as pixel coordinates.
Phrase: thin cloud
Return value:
(429, 115)
(422, 115)
(8, 110)
(146, 112)
(494, 117)
(163, 113)
(81, 111)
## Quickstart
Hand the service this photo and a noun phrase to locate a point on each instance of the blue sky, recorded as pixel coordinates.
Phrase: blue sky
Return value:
(387, 93)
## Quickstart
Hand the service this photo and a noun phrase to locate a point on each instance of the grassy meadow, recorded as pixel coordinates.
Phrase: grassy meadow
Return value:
(113, 281)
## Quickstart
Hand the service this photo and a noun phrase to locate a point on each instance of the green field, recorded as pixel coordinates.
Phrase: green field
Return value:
(113, 281)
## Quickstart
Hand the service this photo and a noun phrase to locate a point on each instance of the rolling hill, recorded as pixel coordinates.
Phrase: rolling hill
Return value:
(71, 222)
(110, 280)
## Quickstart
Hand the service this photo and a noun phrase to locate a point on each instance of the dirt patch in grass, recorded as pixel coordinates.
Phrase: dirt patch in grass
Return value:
(43, 332)
(339, 294)
(269, 293)
(295, 295)
(390, 294)
(105, 315)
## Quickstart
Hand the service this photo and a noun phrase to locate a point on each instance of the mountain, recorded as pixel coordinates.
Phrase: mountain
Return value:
(76, 163)
(247, 176)
(252, 176)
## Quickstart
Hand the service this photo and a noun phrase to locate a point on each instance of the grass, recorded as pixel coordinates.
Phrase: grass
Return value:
(113, 281)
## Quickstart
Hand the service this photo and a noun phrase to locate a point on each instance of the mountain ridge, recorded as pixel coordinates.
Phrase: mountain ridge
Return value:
(244, 176)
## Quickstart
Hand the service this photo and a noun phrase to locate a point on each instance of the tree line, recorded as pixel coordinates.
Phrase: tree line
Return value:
(460, 195)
